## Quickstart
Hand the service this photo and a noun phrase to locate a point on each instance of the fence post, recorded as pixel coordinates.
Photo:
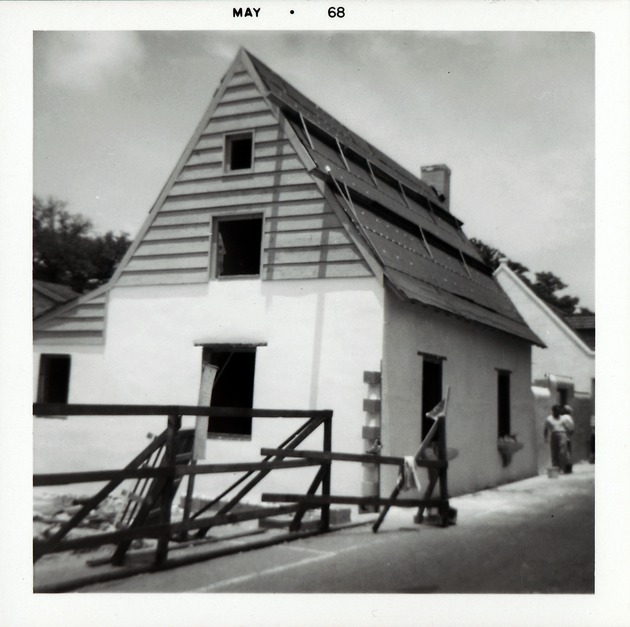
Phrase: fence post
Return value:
(325, 516)
(170, 454)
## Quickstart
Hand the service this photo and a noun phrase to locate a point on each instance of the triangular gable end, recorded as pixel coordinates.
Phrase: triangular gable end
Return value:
(304, 236)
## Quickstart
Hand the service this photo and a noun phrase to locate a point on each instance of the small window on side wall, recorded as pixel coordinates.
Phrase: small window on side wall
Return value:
(503, 403)
(239, 152)
(54, 379)
(237, 245)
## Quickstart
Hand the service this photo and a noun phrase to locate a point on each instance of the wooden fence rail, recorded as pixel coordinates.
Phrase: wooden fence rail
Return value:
(167, 475)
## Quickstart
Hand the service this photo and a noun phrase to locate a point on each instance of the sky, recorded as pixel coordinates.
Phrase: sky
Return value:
(511, 113)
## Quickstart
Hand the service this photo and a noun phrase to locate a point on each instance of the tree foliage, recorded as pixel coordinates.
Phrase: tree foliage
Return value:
(546, 286)
(66, 251)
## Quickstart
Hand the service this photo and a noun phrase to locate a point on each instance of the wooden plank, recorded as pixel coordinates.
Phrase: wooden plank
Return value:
(240, 79)
(317, 500)
(163, 277)
(305, 239)
(334, 270)
(297, 208)
(327, 220)
(242, 106)
(193, 216)
(89, 476)
(239, 92)
(85, 409)
(67, 338)
(242, 122)
(154, 531)
(262, 165)
(182, 246)
(194, 261)
(355, 457)
(322, 254)
(71, 325)
(212, 154)
(238, 182)
(249, 197)
(174, 232)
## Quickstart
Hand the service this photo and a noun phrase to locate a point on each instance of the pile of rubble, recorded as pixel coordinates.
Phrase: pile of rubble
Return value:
(50, 511)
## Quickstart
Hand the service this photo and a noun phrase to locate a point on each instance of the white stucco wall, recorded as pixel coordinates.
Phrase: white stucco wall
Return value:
(320, 336)
(566, 355)
(472, 356)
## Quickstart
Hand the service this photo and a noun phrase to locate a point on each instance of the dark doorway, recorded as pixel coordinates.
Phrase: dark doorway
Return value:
(431, 389)
(233, 387)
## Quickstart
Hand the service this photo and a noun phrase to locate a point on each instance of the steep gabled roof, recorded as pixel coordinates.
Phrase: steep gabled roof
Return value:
(402, 230)
(424, 253)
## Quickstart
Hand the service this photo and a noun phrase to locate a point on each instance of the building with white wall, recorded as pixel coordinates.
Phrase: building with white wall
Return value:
(315, 273)
(564, 371)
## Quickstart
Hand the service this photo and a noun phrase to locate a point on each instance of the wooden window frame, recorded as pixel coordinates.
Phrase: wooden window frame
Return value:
(214, 244)
(227, 139)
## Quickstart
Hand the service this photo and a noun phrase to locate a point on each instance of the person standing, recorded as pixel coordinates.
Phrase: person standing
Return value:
(566, 415)
(556, 433)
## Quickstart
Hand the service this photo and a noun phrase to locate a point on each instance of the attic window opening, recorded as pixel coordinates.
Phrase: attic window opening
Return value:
(237, 244)
(239, 152)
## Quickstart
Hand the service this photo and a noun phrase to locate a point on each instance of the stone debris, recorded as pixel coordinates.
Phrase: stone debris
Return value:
(51, 511)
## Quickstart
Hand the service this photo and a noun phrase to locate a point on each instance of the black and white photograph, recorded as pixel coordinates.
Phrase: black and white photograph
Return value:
(314, 319)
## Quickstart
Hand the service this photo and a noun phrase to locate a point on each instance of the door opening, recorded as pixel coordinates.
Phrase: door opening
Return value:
(431, 389)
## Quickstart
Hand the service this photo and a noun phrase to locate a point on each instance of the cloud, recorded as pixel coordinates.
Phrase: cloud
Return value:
(91, 60)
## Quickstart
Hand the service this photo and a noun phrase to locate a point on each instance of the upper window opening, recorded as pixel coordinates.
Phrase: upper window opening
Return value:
(239, 152)
(54, 379)
(238, 246)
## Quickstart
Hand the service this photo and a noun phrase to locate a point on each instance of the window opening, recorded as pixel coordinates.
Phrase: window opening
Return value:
(233, 387)
(54, 379)
(431, 389)
(563, 396)
(239, 152)
(503, 403)
(238, 247)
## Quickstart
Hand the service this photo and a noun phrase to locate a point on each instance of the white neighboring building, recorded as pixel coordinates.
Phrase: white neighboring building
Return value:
(564, 372)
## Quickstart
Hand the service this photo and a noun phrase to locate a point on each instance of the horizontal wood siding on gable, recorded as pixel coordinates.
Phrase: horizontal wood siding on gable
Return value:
(302, 237)
(82, 324)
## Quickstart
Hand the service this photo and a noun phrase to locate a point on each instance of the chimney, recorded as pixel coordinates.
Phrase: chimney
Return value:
(439, 178)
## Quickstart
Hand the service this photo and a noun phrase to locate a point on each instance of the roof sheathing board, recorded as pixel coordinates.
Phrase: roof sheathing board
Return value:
(286, 93)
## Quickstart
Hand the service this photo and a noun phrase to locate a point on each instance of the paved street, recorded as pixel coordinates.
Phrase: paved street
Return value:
(534, 536)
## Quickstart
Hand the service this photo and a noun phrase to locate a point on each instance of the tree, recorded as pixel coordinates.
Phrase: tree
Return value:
(66, 251)
(545, 286)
